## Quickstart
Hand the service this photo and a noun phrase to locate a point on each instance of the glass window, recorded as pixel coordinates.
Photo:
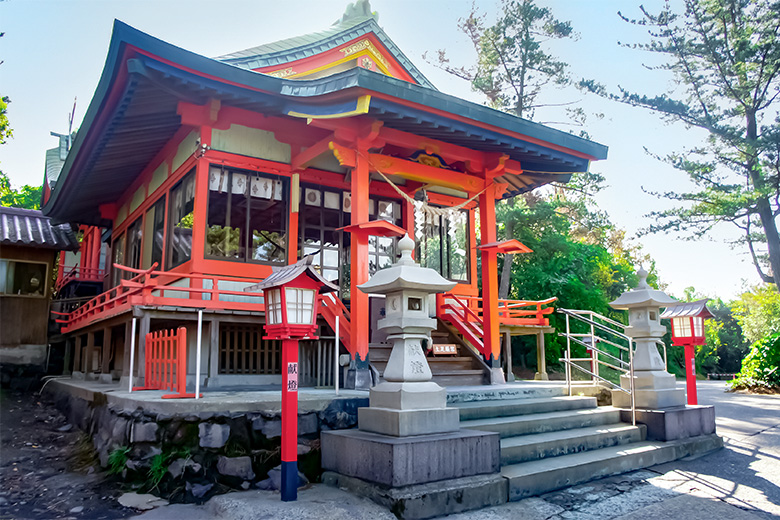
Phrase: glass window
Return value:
(134, 238)
(247, 216)
(444, 247)
(117, 257)
(23, 278)
(382, 250)
(154, 227)
(182, 210)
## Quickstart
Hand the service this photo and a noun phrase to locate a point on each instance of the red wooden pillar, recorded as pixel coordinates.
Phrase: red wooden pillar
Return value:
(487, 217)
(292, 235)
(201, 213)
(359, 264)
(94, 263)
(84, 248)
(289, 420)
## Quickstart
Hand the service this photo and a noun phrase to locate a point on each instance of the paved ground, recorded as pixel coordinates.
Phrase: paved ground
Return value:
(742, 481)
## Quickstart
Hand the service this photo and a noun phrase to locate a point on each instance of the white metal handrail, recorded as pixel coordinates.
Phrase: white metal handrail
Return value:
(603, 325)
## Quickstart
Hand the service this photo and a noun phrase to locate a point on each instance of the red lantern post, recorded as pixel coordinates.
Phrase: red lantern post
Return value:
(688, 331)
(292, 297)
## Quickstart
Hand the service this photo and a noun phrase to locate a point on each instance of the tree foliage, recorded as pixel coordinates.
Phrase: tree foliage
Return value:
(28, 197)
(725, 58)
(578, 256)
(512, 66)
(761, 368)
(758, 312)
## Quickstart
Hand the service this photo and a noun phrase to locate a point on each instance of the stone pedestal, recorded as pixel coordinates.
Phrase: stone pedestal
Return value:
(401, 408)
(403, 461)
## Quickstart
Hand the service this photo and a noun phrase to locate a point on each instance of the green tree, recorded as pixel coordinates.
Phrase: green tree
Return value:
(584, 265)
(5, 128)
(28, 197)
(725, 58)
(513, 68)
(758, 312)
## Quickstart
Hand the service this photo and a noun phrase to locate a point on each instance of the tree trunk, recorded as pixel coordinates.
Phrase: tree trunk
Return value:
(763, 207)
(506, 271)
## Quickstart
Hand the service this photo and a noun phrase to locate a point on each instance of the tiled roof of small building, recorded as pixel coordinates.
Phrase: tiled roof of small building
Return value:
(28, 227)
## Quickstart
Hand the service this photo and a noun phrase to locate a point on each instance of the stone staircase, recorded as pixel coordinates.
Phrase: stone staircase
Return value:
(458, 370)
(550, 441)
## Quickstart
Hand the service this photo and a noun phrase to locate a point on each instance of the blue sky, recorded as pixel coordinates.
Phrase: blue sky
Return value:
(53, 52)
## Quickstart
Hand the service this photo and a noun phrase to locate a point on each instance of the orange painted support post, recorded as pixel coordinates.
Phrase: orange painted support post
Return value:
(94, 263)
(200, 209)
(492, 339)
(359, 274)
(292, 235)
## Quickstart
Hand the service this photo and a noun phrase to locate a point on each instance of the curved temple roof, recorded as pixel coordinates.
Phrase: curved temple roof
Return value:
(133, 114)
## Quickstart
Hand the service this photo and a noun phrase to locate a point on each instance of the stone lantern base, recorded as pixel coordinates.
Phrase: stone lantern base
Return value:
(654, 389)
(408, 408)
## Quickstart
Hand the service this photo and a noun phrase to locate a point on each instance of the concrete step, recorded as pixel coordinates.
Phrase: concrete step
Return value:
(450, 363)
(545, 422)
(511, 407)
(509, 391)
(541, 476)
(459, 377)
(555, 444)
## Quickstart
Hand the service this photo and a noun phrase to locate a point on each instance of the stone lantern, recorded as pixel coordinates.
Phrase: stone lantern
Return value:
(409, 452)
(654, 387)
(408, 402)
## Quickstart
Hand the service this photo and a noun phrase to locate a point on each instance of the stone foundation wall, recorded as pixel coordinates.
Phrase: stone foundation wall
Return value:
(191, 457)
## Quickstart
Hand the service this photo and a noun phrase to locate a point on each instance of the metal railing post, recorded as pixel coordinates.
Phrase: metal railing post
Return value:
(594, 353)
(568, 356)
(631, 384)
(336, 366)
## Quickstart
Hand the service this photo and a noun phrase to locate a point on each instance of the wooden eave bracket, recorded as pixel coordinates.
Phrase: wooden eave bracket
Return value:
(199, 115)
(108, 211)
(302, 159)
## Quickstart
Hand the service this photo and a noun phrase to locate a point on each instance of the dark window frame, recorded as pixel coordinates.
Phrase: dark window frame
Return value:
(247, 245)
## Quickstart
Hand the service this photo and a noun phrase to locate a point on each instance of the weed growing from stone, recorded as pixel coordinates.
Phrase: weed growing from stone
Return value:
(117, 460)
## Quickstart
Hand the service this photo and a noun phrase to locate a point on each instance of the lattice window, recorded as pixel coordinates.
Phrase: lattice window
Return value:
(242, 350)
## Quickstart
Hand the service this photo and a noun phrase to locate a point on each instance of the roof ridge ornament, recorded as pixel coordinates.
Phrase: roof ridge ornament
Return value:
(358, 9)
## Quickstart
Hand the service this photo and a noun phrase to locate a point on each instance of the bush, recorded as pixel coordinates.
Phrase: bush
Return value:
(761, 367)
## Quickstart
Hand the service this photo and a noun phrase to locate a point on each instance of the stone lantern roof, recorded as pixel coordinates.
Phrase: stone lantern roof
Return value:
(643, 296)
(406, 274)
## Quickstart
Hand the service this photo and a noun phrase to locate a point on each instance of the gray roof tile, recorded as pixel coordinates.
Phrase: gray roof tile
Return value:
(28, 227)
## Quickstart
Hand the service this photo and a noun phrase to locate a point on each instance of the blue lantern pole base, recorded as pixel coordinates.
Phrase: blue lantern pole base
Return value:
(289, 481)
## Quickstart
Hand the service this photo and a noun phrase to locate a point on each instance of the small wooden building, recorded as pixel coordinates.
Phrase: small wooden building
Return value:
(29, 244)
(203, 174)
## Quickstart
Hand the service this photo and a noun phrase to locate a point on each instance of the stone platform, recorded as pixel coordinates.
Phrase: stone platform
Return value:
(403, 461)
(675, 423)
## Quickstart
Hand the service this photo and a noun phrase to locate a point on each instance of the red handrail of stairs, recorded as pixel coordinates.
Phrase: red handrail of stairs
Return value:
(455, 311)
(465, 314)
(332, 306)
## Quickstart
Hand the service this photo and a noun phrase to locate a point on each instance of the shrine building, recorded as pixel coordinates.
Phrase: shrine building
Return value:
(192, 177)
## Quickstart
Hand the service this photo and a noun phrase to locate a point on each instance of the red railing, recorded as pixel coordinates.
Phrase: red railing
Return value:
(332, 306)
(153, 288)
(165, 363)
(455, 310)
(465, 314)
(84, 274)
